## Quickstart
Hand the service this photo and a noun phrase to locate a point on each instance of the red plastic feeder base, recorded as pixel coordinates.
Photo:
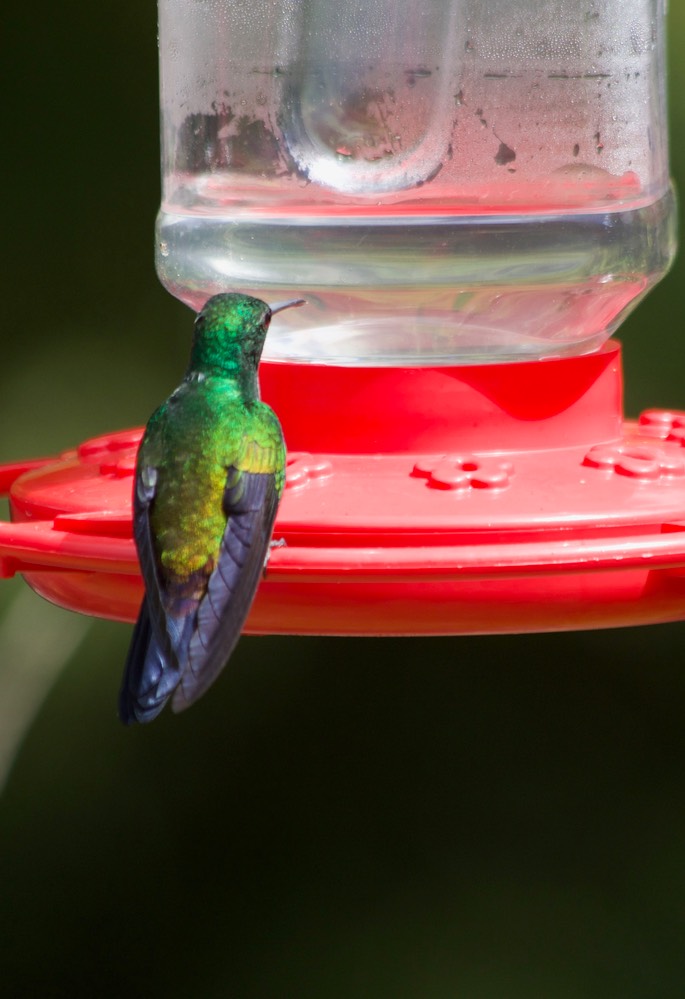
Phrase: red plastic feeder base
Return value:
(490, 498)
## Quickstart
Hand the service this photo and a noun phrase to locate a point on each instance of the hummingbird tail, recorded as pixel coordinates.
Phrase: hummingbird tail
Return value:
(149, 678)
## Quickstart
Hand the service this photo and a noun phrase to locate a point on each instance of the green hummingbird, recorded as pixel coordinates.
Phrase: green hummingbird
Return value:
(209, 476)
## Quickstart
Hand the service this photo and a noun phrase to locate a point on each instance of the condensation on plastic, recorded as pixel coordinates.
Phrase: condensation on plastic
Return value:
(305, 99)
(444, 181)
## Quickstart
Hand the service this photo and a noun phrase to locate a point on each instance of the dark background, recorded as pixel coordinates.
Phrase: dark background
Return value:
(488, 818)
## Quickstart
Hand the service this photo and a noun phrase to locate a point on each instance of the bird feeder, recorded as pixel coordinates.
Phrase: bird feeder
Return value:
(471, 196)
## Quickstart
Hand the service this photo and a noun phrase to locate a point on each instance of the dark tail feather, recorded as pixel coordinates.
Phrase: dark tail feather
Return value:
(149, 677)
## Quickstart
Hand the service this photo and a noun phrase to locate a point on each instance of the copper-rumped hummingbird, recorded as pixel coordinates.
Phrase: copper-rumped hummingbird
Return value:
(209, 476)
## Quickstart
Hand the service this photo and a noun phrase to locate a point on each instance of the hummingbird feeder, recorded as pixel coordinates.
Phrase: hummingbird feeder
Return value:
(471, 197)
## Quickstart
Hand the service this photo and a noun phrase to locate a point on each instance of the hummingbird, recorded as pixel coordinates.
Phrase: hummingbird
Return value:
(209, 476)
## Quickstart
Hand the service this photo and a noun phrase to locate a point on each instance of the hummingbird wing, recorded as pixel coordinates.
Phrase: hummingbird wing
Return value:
(250, 503)
(152, 670)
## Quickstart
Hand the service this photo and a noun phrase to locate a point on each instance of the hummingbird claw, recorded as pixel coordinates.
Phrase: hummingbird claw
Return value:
(274, 543)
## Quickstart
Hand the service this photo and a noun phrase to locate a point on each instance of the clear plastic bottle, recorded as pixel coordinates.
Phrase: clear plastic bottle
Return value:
(445, 181)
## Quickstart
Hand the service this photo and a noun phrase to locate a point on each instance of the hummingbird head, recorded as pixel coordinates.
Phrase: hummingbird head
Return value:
(230, 331)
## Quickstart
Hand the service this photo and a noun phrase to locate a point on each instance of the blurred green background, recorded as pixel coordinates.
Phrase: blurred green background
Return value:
(488, 818)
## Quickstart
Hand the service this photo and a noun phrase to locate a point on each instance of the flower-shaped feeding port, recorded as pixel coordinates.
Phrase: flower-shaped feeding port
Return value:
(459, 471)
(643, 461)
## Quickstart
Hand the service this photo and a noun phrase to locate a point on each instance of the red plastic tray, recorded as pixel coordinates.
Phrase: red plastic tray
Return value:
(480, 499)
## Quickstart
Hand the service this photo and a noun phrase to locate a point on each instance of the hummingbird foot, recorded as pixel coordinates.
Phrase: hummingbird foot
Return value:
(278, 543)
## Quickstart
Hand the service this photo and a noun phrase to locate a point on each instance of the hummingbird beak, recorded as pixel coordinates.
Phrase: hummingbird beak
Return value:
(295, 303)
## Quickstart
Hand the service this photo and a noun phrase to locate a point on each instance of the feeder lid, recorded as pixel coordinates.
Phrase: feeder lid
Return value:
(489, 498)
